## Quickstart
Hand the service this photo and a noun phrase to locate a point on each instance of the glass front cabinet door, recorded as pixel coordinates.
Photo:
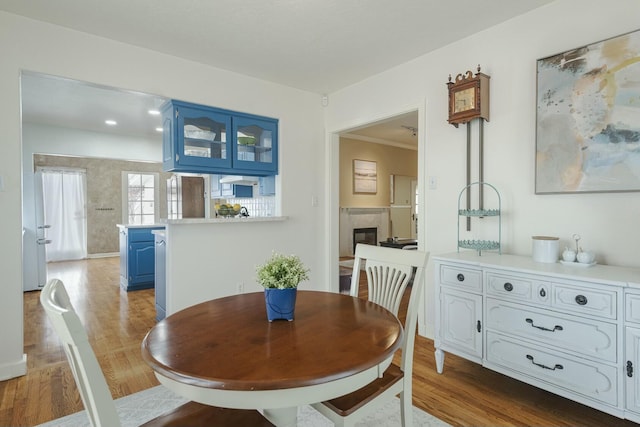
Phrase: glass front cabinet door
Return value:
(198, 139)
(203, 139)
(255, 147)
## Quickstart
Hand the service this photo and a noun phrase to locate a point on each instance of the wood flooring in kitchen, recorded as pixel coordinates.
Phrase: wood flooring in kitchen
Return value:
(116, 321)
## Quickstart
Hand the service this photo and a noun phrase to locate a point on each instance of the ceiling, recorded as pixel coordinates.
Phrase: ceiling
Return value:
(314, 45)
(87, 106)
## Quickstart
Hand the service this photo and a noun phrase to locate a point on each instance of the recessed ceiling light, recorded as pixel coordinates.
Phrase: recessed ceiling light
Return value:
(159, 129)
(111, 122)
(154, 112)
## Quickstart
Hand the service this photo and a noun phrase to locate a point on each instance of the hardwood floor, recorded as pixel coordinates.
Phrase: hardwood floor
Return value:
(464, 395)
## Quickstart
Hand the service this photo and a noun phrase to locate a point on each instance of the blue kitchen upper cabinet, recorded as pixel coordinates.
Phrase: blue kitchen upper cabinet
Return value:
(210, 140)
(267, 185)
(196, 137)
(255, 145)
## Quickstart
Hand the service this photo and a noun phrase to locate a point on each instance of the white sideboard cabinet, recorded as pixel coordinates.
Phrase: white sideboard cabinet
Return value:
(569, 329)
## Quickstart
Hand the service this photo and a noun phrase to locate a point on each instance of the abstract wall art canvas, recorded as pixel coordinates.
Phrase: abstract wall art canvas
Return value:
(588, 118)
(365, 177)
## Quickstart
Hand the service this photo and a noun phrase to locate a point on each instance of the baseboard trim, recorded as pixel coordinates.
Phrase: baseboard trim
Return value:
(13, 370)
(105, 255)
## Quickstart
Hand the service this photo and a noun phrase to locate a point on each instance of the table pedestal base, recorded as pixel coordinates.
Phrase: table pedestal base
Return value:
(282, 417)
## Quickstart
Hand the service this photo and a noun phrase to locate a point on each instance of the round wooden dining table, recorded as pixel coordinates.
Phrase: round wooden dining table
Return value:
(225, 352)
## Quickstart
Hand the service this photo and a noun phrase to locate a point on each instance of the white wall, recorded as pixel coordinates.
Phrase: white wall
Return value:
(30, 45)
(508, 53)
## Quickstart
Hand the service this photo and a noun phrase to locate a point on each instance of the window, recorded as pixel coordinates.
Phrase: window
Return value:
(141, 192)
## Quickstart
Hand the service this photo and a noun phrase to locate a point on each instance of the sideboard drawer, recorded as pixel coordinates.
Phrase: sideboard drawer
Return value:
(595, 302)
(596, 381)
(463, 278)
(632, 307)
(517, 288)
(589, 337)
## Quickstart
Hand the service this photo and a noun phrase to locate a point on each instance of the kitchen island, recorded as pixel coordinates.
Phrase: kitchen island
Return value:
(137, 256)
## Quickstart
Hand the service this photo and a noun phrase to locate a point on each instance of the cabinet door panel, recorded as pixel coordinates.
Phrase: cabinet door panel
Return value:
(255, 145)
(460, 321)
(267, 185)
(141, 262)
(202, 137)
(632, 376)
(124, 247)
(160, 278)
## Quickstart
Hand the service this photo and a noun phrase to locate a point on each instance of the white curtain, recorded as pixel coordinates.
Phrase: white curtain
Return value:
(65, 211)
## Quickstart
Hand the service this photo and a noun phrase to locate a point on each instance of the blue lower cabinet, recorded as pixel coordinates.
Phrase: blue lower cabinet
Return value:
(161, 276)
(137, 258)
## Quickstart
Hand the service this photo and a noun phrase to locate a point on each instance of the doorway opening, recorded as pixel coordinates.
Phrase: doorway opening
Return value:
(392, 143)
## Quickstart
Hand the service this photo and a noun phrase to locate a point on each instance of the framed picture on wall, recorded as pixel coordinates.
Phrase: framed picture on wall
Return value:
(365, 177)
(588, 118)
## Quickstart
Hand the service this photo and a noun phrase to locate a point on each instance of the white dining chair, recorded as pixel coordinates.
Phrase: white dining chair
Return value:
(92, 385)
(389, 272)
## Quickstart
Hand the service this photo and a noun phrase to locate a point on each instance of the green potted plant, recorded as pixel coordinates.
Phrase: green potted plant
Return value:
(279, 277)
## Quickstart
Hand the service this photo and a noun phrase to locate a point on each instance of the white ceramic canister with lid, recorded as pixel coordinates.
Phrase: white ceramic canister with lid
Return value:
(545, 248)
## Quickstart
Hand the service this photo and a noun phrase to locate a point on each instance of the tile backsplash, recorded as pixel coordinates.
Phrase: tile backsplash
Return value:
(257, 206)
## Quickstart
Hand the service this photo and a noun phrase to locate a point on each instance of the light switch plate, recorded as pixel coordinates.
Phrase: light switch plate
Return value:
(433, 182)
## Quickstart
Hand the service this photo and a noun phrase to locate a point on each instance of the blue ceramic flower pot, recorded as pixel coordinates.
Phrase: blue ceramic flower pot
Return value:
(280, 303)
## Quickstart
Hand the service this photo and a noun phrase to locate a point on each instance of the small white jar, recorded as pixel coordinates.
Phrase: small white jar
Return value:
(586, 257)
(569, 255)
(545, 248)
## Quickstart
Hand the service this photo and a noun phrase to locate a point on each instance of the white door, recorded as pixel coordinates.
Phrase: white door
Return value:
(401, 207)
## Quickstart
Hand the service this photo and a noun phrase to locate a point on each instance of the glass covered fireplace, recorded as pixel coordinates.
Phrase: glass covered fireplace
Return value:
(368, 236)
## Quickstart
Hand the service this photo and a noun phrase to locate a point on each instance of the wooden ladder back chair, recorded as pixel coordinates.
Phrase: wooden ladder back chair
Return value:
(93, 387)
(390, 272)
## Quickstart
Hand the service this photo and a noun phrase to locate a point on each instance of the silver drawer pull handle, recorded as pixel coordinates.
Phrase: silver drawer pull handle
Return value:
(581, 300)
(542, 328)
(558, 366)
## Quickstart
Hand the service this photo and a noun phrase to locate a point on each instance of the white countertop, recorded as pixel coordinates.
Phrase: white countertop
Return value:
(233, 220)
(122, 226)
(614, 275)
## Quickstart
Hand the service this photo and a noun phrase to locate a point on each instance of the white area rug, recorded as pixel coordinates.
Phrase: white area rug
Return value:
(348, 263)
(140, 407)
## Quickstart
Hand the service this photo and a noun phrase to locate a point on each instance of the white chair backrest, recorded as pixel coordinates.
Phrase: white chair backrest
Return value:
(90, 380)
(389, 272)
